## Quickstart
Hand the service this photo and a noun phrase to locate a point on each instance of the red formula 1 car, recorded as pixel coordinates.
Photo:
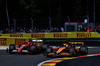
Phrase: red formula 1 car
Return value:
(66, 50)
(27, 47)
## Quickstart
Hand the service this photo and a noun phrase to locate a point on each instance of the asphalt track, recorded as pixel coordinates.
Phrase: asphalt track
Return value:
(31, 60)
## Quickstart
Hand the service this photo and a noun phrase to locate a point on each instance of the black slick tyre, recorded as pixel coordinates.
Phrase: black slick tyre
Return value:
(48, 50)
(72, 51)
(11, 48)
(83, 50)
(33, 49)
(44, 47)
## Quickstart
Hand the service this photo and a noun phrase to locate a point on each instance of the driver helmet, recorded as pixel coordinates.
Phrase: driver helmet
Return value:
(34, 43)
(25, 42)
(65, 45)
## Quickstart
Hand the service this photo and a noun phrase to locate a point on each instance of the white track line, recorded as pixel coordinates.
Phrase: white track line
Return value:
(3, 47)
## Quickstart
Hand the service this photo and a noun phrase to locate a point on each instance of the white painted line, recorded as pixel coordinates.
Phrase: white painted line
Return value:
(3, 47)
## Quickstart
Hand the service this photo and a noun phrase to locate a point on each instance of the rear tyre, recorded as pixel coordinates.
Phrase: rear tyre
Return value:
(11, 48)
(83, 50)
(33, 49)
(44, 47)
(72, 51)
(48, 50)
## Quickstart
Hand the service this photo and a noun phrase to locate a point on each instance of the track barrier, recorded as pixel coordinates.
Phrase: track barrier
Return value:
(7, 39)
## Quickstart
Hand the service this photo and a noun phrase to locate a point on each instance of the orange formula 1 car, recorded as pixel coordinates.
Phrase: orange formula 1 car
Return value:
(67, 49)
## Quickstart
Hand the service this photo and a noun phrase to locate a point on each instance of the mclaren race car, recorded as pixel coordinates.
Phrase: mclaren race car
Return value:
(67, 49)
(30, 46)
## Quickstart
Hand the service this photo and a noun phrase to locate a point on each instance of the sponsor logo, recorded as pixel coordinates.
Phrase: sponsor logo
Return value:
(16, 35)
(19, 41)
(37, 35)
(83, 34)
(63, 35)
(3, 41)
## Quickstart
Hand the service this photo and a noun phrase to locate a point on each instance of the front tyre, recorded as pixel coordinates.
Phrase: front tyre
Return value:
(48, 50)
(44, 47)
(11, 48)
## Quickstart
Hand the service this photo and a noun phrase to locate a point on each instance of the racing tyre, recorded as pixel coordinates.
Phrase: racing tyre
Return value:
(83, 50)
(44, 47)
(11, 48)
(48, 50)
(33, 49)
(72, 51)
(73, 46)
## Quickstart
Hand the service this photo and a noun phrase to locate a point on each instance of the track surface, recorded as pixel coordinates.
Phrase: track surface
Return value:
(85, 61)
(27, 59)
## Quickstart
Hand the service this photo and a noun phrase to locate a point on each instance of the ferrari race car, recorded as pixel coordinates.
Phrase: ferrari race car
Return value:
(67, 49)
(27, 47)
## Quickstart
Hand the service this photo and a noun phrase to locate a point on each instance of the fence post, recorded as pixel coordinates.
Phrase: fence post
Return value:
(65, 26)
(7, 15)
(87, 20)
(50, 22)
(68, 22)
(14, 25)
(94, 12)
(32, 24)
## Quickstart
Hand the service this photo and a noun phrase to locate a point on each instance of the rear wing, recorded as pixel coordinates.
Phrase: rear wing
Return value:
(37, 41)
(47, 41)
(60, 42)
(82, 43)
(55, 42)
